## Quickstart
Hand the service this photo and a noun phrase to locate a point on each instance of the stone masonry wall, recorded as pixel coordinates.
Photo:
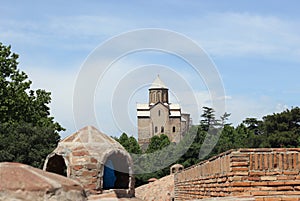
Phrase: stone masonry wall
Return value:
(266, 174)
(84, 169)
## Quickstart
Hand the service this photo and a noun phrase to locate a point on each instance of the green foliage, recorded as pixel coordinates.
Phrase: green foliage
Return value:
(129, 143)
(277, 130)
(208, 118)
(283, 129)
(158, 142)
(27, 132)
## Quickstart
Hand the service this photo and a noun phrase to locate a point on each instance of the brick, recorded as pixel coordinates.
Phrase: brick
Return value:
(256, 162)
(245, 184)
(77, 167)
(270, 159)
(267, 188)
(285, 161)
(275, 160)
(285, 188)
(251, 162)
(80, 153)
(238, 169)
(237, 164)
(268, 178)
(254, 178)
(257, 173)
(289, 199)
(283, 177)
(272, 199)
(89, 173)
(260, 183)
(260, 161)
(79, 160)
(94, 160)
(295, 161)
(296, 182)
(276, 183)
(266, 164)
(280, 160)
(277, 193)
(292, 193)
(245, 173)
(290, 172)
(273, 173)
(259, 193)
(290, 161)
(91, 166)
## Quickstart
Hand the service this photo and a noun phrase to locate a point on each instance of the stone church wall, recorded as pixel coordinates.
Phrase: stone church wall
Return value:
(144, 129)
(266, 174)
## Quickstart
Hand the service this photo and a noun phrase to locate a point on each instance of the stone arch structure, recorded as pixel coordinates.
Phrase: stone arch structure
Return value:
(84, 156)
(57, 164)
(121, 167)
(176, 168)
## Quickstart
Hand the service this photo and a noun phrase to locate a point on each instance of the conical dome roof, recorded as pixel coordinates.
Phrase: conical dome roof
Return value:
(92, 140)
(158, 84)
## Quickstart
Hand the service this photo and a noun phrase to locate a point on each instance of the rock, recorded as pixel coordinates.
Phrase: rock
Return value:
(19, 182)
(159, 190)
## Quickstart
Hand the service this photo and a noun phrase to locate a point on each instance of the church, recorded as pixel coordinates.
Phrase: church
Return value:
(159, 116)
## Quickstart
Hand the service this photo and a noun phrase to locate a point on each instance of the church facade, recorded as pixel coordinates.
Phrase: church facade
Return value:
(159, 116)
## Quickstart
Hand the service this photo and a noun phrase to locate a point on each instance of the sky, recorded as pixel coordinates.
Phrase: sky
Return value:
(252, 46)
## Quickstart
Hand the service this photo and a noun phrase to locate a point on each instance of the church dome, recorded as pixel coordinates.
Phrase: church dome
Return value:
(158, 84)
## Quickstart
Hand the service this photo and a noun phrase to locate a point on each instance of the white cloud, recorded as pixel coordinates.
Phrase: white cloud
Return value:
(221, 34)
(245, 34)
(242, 107)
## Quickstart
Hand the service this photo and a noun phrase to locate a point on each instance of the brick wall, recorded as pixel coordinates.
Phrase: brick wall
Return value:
(266, 174)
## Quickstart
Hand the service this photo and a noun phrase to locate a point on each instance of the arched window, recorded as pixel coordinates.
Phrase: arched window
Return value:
(158, 112)
(162, 129)
(165, 97)
(174, 129)
(155, 129)
(158, 96)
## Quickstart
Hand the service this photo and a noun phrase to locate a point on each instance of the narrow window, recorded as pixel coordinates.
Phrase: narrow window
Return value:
(155, 129)
(174, 129)
(158, 112)
(173, 170)
(158, 97)
(162, 129)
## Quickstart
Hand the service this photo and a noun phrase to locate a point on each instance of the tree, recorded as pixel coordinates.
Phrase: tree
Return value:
(254, 125)
(130, 144)
(208, 117)
(224, 118)
(226, 140)
(157, 142)
(27, 131)
(283, 129)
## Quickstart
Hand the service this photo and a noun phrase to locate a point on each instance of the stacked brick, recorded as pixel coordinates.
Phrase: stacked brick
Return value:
(266, 174)
(84, 168)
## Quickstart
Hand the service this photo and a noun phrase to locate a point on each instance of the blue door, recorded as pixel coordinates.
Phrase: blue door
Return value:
(109, 177)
